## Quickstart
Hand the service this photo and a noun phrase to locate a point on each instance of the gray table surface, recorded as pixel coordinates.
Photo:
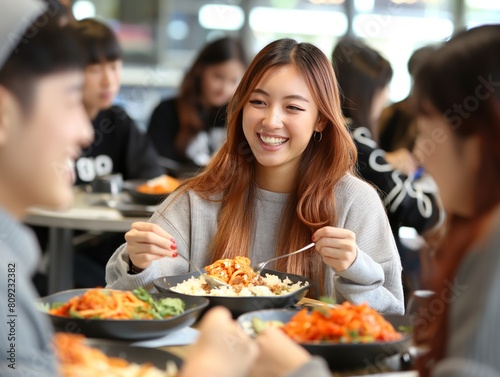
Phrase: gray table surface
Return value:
(89, 212)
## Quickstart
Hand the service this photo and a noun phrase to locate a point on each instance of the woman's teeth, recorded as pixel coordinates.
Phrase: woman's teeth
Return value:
(273, 141)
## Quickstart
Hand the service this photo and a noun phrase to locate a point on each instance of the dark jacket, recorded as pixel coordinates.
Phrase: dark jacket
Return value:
(118, 147)
(164, 126)
(407, 202)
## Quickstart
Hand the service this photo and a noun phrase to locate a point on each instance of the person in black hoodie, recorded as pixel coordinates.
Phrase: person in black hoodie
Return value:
(118, 146)
(363, 76)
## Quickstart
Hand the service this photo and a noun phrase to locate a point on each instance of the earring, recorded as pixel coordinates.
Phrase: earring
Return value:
(316, 138)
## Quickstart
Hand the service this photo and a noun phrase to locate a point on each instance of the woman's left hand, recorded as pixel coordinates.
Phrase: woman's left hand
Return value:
(336, 246)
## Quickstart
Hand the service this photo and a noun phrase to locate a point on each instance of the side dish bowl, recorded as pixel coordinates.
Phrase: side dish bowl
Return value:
(129, 329)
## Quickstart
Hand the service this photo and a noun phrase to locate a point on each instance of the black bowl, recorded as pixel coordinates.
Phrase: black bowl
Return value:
(140, 197)
(130, 329)
(340, 356)
(239, 305)
(133, 354)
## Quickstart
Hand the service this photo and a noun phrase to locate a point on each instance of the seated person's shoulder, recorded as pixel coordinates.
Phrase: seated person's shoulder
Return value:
(351, 189)
(115, 115)
(118, 113)
(167, 104)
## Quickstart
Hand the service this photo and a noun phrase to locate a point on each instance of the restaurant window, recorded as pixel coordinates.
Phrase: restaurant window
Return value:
(397, 27)
(134, 22)
(186, 26)
(319, 22)
(480, 12)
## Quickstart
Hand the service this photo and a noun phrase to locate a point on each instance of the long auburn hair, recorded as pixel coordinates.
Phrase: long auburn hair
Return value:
(232, 170)
(450, 77)
(361, 72)
(192, 114)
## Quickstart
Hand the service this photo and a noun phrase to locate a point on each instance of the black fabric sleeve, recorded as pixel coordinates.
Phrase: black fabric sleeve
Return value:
(163, 127)
(407, 202)
(142, 159)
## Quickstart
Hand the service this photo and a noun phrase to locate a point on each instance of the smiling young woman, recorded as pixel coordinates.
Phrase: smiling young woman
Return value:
(272, 187)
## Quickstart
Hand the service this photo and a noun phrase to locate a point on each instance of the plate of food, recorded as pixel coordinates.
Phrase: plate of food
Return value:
(113, 314)
(347, 336)
(153, 191)
(246, 291)
(78, 356)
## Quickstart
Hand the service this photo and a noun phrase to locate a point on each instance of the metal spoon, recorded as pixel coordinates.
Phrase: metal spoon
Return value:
(258, 268)
(211, 281)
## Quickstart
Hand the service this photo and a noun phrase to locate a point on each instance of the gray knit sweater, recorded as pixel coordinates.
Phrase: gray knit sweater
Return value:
(474, 337)
(25, 332)
(374, 277)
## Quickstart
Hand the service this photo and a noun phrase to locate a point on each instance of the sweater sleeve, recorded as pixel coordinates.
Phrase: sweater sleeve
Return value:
(375, 275)
(408, 203)
(473, 343)
(173, 217)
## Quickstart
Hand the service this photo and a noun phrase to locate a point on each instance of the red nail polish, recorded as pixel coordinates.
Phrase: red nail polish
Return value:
(312, 237)
(173, 247)
(174, 255)
(172, 240)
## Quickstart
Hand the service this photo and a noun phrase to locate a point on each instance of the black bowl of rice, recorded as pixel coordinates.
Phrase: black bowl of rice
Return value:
(281, 290)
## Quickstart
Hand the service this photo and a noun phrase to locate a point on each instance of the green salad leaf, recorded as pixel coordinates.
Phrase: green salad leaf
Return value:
(159, 309)
(43, 306)
(405, 329)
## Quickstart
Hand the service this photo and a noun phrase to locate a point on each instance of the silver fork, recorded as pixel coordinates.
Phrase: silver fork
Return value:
(258, 268)
(211, 281)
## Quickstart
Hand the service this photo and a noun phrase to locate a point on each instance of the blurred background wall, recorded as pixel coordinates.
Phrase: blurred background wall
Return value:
(161, 37)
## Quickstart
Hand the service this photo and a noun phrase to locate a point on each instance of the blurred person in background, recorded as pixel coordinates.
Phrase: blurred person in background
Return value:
(43, 127)
(190, 128)
(119, 146)
(364, 76)
(397, 126)
(457, 92)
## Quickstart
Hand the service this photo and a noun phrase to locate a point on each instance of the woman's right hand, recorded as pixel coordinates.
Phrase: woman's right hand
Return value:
(147, 242)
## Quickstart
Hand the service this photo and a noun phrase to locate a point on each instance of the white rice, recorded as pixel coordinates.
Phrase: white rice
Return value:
(194, 286)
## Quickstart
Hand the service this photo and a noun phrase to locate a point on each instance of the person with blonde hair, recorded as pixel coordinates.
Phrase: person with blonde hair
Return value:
(283, 177)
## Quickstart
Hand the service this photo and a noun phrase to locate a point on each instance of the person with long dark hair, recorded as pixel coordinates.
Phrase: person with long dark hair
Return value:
(190, 127)
(364, 77)
(457, 93)
(283, 176)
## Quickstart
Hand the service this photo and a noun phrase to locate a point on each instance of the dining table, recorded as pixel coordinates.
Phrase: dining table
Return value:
(92, 212)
